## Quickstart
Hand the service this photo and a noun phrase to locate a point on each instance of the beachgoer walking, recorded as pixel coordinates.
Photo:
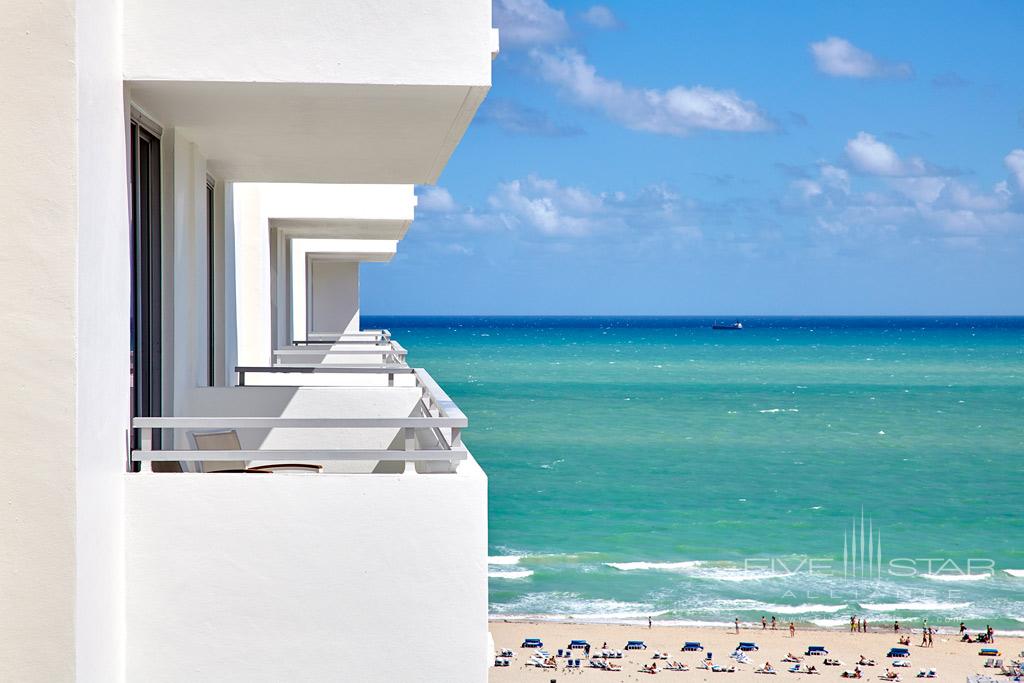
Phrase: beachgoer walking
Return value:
(896, 626)
(792, 630)
(650, 624)
(737, 622)
(865, 624)
(924, 637)
(853, 623)
(931, 643)
(764, 623)
(774, 622)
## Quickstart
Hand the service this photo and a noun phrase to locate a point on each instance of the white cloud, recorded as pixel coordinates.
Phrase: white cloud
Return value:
(839, 57)
(1015, 164)
(600, 16)
(676, 111)
(915, 198)
(436, 199)
(547, 206)
(872, 156)
(529, 22)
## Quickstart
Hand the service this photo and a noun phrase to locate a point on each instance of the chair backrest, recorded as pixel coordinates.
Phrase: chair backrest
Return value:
(226, 440)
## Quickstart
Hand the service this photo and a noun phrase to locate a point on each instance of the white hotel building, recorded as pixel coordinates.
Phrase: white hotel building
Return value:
(187, 189)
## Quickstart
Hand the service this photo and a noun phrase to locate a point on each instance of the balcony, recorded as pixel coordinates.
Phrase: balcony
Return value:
(344, 92)
(291, 575)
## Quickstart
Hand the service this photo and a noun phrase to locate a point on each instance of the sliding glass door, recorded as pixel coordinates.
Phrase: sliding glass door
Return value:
(146, 273)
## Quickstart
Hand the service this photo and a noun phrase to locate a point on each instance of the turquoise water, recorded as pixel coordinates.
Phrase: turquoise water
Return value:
(656, 467)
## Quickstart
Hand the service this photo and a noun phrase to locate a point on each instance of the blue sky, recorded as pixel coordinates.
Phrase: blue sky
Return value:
(712, 158)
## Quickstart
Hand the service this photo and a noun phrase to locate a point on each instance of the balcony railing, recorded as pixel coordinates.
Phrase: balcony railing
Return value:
(318, 338)
(313, 353)
(432, 433)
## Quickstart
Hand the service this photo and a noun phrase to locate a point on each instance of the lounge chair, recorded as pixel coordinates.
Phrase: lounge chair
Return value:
(747, 647)
(636, 645)
(901, 662)
(577, 644)
(989, 652)
(900, 652)
(816, 650)
(765, 670)
(228, 441)
(532, 642)
(692, 646)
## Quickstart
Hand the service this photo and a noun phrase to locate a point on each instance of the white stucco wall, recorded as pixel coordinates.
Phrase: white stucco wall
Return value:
(307, 577)
(103, 386)
(39, 159)
(255, 207)
(300, 293)
(333, 296)
(63, 274)
(414, 42)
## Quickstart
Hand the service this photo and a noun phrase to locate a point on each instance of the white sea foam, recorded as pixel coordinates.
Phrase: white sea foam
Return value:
(780, 410)
(655, 566)
(520, 574)
(1018, 573)
(912, 606)
(503, 559)
(956, 577)
(700, 569)
(829, 623)
(769, 608)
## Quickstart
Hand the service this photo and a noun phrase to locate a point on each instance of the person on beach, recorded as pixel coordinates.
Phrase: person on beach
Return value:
(924, 637)
(853, 623)
(604, 645)
(774, 622)
(896, 626)
(736, 621)
(930, 641)
(650, 623)
(963, 627)
(864, 623)
(586, 650)
(991, 633)
(792, 630)
(764, 623)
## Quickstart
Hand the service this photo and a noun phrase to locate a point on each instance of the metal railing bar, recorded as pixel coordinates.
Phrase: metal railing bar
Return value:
(301, 455)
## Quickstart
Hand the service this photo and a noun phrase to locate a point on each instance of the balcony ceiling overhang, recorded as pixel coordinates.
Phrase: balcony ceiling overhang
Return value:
(315, 132)
(347, 228)
(377, 251)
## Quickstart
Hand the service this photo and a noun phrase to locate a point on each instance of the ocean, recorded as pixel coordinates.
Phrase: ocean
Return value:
(806, 468)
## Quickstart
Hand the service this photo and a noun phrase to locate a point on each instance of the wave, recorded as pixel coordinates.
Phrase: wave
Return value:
(914, 606)
(830, 623)
(658, 566)
(780, 410)
(701, 569)
(563, 606)
(956, 577)
(1018, 573)
(504, 559)
(521, 574)
(769, 608)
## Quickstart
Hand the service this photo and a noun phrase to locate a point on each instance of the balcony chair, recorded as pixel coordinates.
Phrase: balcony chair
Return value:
(228, 441)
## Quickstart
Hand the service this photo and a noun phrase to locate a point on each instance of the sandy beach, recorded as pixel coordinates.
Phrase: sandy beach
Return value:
(952, 660)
